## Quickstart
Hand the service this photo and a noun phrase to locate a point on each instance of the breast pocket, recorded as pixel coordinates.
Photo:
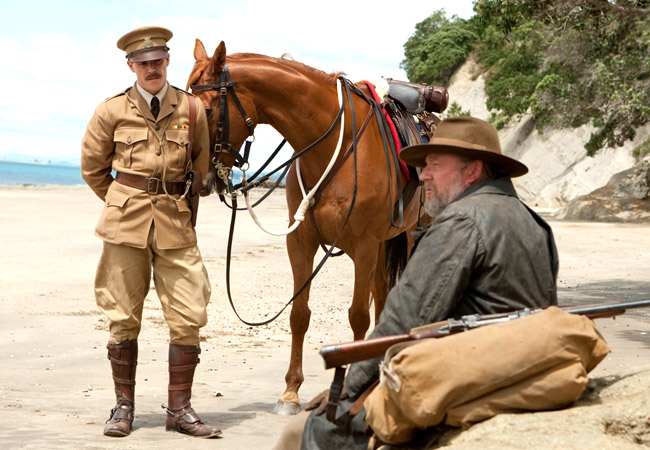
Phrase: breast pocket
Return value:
(131, 147)
(177, 147)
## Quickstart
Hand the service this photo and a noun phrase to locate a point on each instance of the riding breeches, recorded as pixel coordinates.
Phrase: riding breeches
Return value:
(181, 280)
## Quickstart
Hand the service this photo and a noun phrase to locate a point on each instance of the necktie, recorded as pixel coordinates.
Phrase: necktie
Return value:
(155, 107)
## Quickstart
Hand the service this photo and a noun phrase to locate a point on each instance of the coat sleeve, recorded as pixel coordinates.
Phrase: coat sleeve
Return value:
(432, 284)
(97, 151)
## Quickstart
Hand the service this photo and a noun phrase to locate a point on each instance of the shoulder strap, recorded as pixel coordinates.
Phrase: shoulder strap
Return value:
(120, 93)
(190, 138)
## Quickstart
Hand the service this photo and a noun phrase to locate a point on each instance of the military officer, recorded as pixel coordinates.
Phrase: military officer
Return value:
(150, 135)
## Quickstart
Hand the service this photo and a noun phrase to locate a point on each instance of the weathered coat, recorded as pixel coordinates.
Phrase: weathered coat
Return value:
(118, 138)
(485, 253)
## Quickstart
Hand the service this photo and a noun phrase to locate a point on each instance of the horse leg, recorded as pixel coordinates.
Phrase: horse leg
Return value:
(301, 251)
(359, 312)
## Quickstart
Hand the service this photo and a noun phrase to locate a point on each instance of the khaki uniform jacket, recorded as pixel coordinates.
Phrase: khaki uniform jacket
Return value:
(118, 138)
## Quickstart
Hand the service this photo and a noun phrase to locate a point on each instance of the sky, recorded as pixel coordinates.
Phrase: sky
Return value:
(59, 59)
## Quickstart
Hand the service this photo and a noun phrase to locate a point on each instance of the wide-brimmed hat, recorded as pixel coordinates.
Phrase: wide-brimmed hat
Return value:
(464, 136)
(145, 44)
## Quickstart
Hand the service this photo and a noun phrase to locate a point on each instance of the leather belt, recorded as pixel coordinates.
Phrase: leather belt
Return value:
(151, 185)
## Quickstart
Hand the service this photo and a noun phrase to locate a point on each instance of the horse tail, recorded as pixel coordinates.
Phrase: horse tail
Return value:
(396, 253)
(391, 261)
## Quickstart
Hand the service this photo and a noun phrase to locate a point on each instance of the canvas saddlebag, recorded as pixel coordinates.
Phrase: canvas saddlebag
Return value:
(535, 363)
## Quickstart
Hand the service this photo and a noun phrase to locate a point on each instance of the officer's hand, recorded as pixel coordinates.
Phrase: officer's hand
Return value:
(210, 183)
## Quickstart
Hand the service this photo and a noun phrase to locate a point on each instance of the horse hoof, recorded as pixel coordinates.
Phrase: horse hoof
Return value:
(286, 409)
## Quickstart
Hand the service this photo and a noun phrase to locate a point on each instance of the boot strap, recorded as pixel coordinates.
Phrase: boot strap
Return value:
(124, 344)
(123, 381)
(182, 368)
(179, 387)
(187, 414)
(121, 362)
(123, 410)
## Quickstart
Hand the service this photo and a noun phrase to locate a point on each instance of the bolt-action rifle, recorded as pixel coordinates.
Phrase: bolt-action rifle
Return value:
(342, 354)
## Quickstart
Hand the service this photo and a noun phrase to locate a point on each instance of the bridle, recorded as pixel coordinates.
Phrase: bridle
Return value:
(222, 136)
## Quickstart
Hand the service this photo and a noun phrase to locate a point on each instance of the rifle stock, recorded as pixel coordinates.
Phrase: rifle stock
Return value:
(349, 352)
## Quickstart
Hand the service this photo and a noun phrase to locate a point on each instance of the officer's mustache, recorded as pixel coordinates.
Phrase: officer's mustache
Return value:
(153, 76)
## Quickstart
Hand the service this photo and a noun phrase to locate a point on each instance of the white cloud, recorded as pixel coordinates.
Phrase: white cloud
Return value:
(59, 69)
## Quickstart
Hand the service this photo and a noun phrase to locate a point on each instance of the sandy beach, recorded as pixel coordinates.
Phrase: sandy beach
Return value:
(56, 389)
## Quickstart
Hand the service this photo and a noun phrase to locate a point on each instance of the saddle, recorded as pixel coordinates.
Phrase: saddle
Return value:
(416, 98)
(411, 108)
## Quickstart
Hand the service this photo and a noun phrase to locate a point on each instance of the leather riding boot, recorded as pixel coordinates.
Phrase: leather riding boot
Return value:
(180, 415)
(124, 359)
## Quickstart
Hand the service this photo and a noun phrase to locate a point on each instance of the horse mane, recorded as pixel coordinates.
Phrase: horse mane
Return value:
(200, 66)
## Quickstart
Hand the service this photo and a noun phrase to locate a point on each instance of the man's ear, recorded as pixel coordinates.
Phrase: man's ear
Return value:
(474, 171)
(130, 64)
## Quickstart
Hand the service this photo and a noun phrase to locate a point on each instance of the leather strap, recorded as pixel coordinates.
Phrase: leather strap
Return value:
(151, 185)
(122, 363)
(190, 138)
(335, 395)
(182, 368)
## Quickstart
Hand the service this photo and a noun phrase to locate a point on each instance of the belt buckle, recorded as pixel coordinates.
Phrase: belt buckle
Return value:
(150, 184)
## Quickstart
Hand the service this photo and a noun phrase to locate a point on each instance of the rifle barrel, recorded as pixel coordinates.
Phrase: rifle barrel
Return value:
(346, 353)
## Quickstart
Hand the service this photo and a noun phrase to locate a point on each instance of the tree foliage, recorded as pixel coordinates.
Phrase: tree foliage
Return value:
(437, 48)
(567, 62)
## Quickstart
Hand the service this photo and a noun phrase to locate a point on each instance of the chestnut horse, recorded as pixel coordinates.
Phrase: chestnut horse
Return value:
(301, 103)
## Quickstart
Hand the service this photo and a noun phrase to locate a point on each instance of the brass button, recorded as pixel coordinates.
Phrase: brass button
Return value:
(158, 152)
(157, 127)
(128, 140)
(182, 142)
(154, 200)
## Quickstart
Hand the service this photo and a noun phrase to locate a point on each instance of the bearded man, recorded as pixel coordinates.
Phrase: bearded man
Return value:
(485, 252)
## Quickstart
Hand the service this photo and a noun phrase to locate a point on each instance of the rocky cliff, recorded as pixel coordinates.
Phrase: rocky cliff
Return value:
(563, 181)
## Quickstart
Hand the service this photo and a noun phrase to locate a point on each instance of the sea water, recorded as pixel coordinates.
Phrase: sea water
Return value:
(31, 174)
(36, 174)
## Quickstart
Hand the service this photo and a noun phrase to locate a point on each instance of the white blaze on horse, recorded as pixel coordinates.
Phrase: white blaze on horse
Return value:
(358, 206)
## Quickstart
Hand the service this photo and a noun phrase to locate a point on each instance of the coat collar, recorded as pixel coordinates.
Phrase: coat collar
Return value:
(502, 186)
(167, 106)
(499, 186)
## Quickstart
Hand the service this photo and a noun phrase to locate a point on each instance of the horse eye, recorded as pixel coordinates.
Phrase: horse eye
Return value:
(208, 111)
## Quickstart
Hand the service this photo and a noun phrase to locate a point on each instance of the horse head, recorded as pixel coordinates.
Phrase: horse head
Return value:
(228, 113)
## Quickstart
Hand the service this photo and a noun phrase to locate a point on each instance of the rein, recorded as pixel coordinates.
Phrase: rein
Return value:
(331, 248)
(222, 145)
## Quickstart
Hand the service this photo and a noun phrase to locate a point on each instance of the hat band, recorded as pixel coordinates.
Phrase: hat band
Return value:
(145, 50)
(449, 142)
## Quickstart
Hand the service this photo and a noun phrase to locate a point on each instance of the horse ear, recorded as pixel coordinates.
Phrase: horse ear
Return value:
(199, 51)
(219, 58)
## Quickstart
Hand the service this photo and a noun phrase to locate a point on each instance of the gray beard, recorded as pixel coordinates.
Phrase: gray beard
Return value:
(434, 206)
